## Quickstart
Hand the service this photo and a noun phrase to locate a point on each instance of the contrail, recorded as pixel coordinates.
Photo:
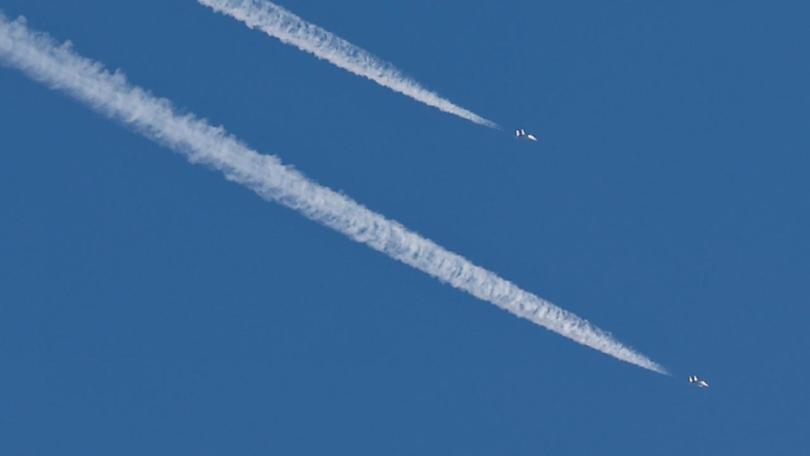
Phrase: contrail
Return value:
(291, 29)
(59, 67)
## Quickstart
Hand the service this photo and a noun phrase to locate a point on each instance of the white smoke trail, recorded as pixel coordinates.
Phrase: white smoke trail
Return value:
(291, 29)
(61, 68)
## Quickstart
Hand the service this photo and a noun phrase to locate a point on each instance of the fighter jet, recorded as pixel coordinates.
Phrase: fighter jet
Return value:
(699, 382)
(521, 133)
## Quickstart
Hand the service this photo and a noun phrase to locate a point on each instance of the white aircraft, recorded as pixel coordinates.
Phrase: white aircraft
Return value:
(699, 382)
(521, 133)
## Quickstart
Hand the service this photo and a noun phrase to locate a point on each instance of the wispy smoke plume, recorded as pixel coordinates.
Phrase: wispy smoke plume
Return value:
(87, 81)
(291, 29)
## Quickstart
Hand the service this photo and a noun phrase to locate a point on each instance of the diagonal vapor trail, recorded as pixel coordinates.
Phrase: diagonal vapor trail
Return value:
(291, 29)
(59, 67)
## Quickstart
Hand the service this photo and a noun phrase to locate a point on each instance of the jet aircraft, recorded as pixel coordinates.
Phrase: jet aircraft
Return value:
(521, 133)
(697, 381)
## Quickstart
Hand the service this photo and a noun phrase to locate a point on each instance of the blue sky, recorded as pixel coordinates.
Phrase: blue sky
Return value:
(147, 305)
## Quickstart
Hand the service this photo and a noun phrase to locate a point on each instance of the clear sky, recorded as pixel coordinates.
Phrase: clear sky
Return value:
(148, 306)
